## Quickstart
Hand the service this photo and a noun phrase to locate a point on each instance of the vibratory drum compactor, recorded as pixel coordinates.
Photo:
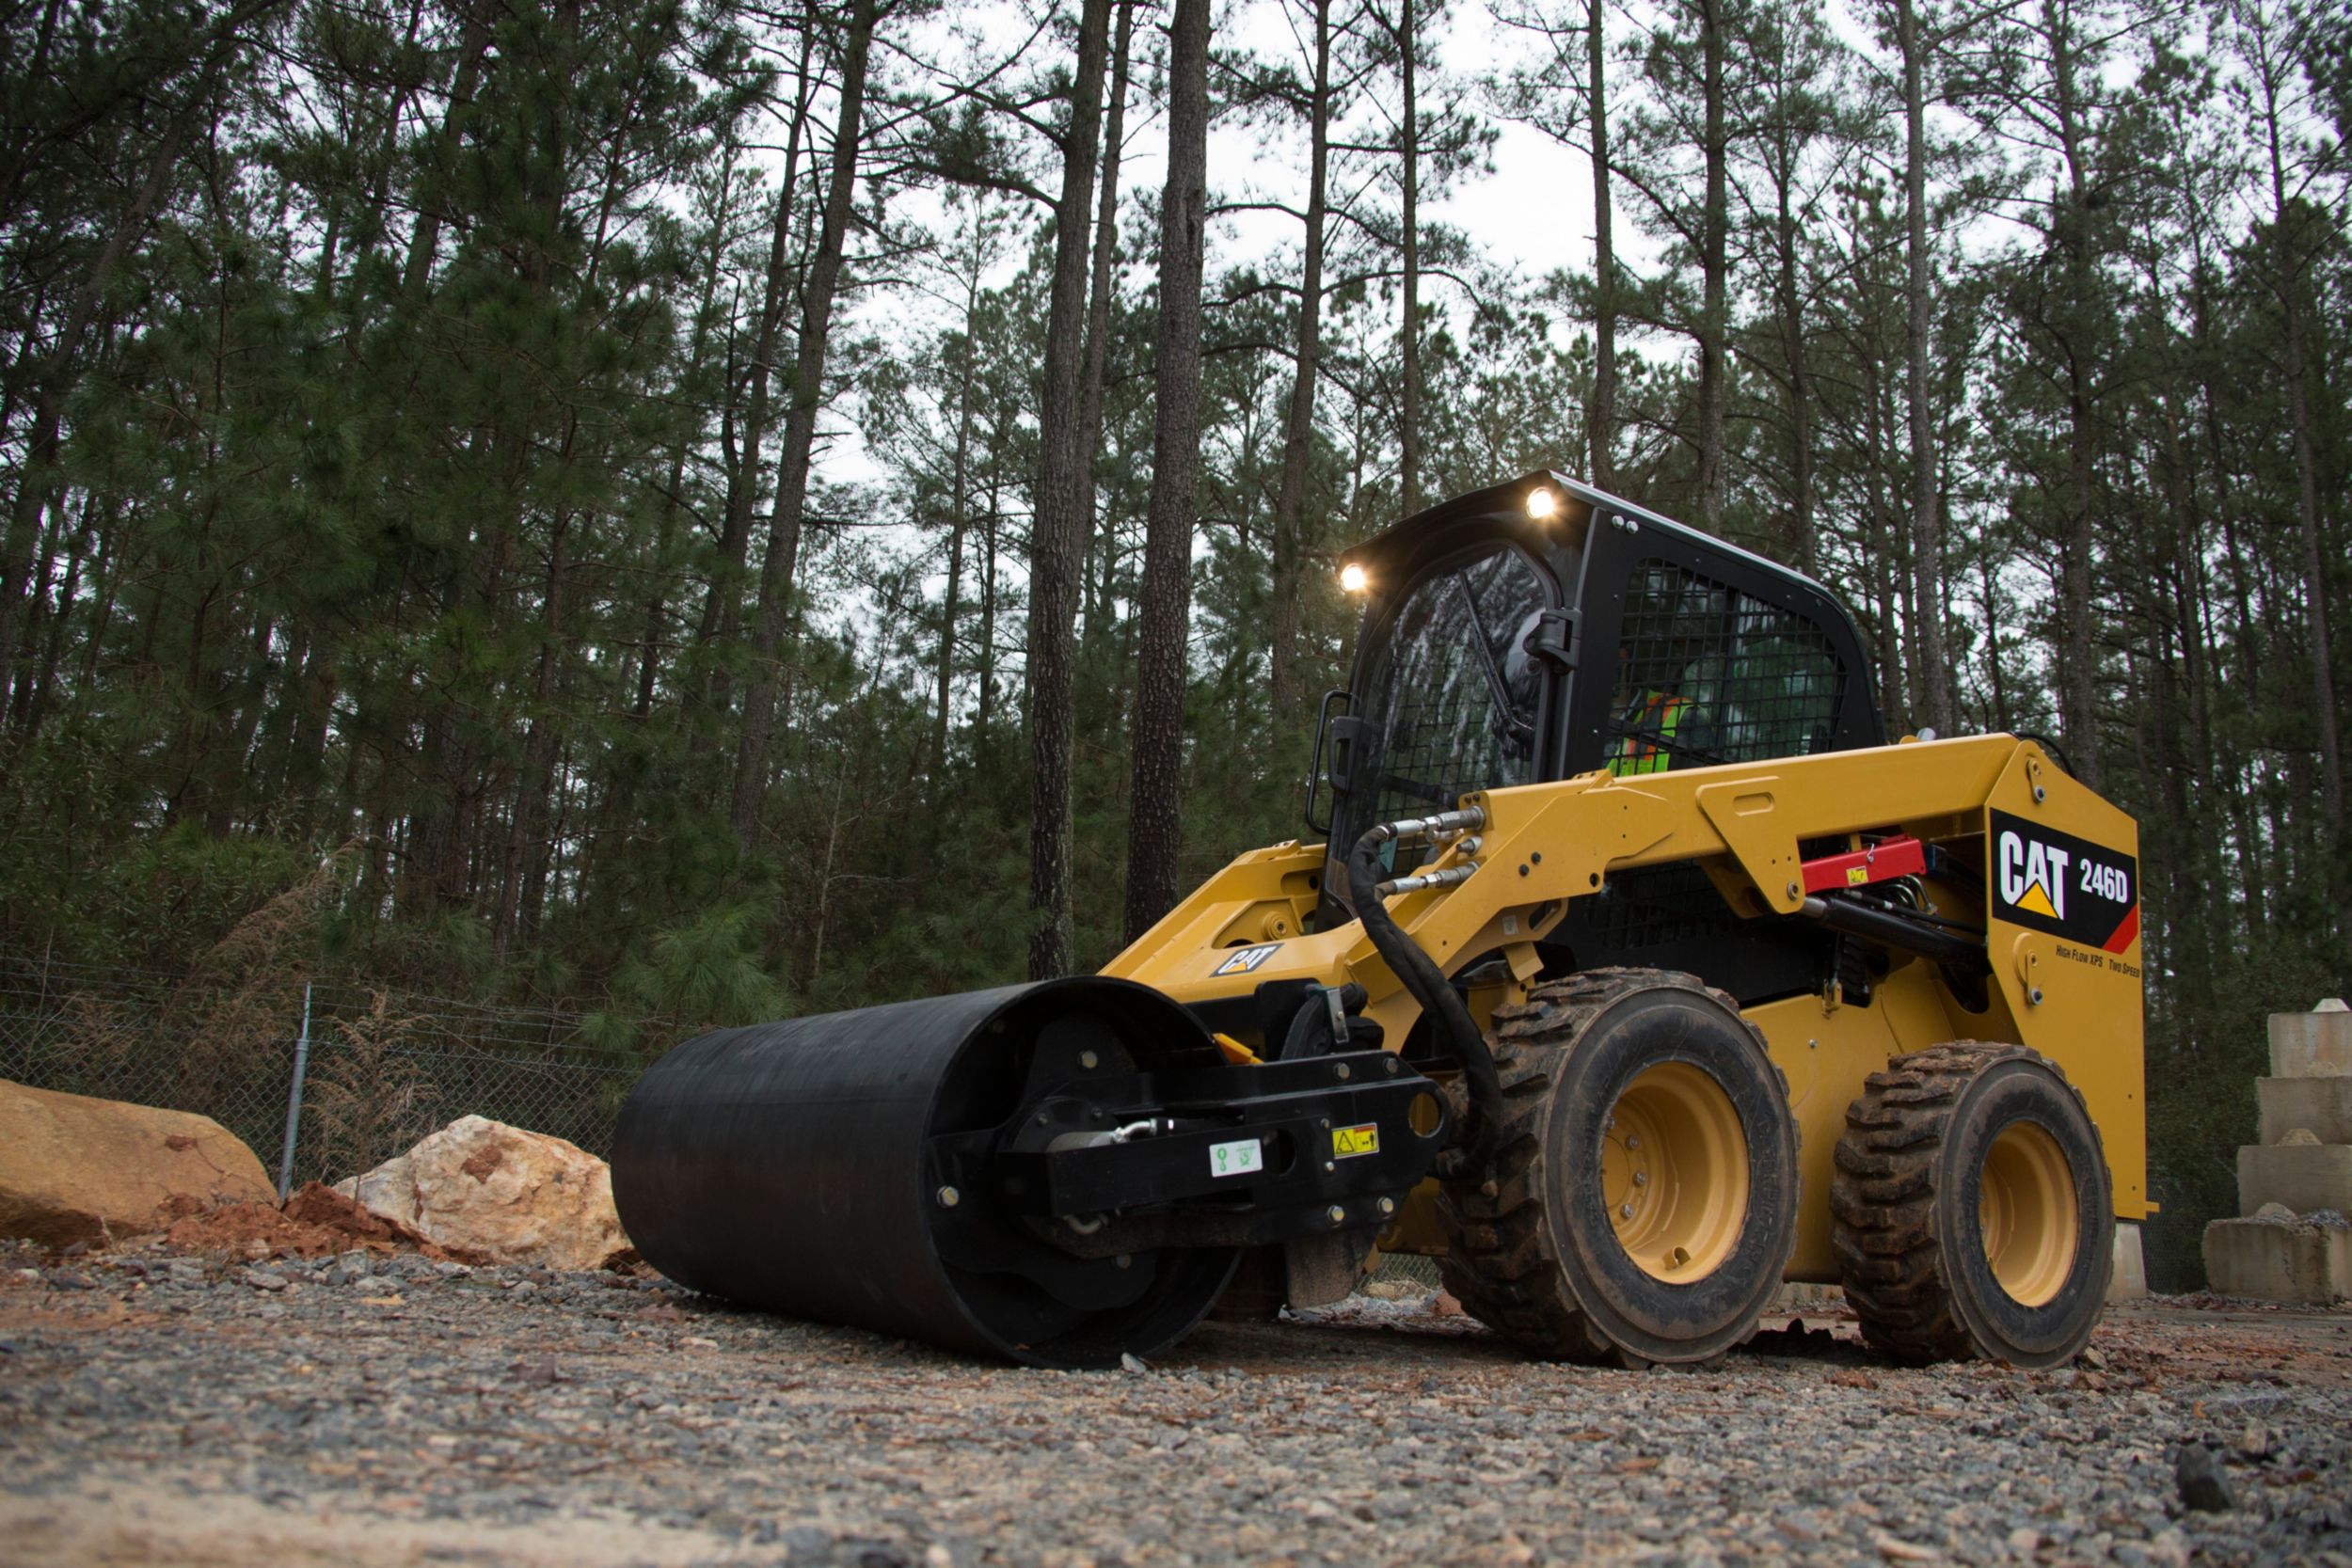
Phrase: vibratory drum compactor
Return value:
(1060, 1173)
(1630, 973)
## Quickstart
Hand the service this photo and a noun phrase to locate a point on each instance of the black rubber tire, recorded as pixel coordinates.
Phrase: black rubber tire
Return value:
(1909, 1176)
(1532, 1251)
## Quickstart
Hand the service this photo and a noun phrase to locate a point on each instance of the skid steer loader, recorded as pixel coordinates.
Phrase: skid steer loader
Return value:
(1631, 971)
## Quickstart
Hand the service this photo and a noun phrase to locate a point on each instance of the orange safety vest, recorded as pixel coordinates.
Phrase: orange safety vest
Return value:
(1645, 751)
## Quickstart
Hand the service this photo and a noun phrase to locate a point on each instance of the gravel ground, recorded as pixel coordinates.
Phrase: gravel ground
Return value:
(179, 1410)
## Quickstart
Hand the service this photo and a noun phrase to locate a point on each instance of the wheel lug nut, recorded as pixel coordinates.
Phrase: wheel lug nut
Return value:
(1641, 1179)
(1633, 1140)
(1627, 1211)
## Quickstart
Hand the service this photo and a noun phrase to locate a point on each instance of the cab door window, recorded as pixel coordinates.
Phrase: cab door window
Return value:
(1452, 694)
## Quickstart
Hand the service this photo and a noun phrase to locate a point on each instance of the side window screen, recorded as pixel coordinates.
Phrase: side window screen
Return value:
(1453, 697)
(1708, 675)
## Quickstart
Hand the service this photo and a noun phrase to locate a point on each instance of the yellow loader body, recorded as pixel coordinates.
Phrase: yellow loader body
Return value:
(2077, 1003)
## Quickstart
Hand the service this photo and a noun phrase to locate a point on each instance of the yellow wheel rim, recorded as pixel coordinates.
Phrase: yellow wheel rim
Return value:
(1674, 1169)
(2026, 1213)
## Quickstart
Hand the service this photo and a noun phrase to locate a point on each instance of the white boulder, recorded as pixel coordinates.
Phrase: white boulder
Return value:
(501, 1194)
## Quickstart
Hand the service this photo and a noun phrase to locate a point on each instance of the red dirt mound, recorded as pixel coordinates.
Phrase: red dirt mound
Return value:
(318, 1204)
(316, 1222)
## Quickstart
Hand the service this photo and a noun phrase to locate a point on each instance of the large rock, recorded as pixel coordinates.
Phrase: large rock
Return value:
(501, 1194)
(76, 1169)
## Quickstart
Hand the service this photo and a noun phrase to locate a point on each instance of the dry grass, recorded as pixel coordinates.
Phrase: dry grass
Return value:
(367, 1100)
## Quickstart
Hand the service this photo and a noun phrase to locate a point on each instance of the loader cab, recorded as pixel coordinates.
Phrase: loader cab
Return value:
(1542, 629)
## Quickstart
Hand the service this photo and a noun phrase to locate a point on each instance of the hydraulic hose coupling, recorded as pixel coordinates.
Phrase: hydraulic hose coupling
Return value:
(1447, 878)
(1450, 824)
(1444, 827)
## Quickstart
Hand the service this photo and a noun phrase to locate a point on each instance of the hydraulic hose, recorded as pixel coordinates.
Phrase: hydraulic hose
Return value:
(1457, 1032)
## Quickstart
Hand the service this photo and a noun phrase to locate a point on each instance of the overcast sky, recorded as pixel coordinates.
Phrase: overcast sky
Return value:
(1533, 212)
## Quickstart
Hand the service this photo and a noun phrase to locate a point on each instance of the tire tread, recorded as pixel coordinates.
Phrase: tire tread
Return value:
(1883, 1197)
(1501, 1265)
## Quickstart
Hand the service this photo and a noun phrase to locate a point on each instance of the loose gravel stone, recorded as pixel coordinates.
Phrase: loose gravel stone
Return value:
(411, 1412)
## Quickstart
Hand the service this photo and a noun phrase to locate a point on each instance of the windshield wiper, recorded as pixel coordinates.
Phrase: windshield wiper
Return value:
(1495, 684)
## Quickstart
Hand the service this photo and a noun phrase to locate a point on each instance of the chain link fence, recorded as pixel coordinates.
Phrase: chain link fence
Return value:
(359, 1074)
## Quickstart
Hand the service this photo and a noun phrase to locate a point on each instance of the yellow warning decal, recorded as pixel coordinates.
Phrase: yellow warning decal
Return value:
(1857, 874)
(1349, 1142)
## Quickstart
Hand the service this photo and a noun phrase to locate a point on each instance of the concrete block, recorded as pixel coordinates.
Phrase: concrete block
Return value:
(2130, 1280)
(2303, 1177)
(1803, 1301)
(2290, 1261)
(2317, 1044)
(2321, 1106)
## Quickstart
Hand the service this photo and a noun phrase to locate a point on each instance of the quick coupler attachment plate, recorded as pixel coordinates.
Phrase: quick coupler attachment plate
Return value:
(1102, 1165)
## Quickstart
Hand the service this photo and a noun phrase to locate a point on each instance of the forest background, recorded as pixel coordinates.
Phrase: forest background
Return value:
(694, 511)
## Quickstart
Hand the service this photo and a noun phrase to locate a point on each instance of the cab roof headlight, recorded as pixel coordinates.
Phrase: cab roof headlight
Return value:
(1353, 579)
(1542, 501)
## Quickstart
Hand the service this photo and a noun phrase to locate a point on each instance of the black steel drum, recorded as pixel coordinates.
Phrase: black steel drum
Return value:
(795, 1167)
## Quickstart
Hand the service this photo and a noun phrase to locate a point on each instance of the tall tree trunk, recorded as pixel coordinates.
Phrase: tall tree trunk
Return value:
(530, 846)
(1993, 621)
(951, 608)
(1602, 427)
(1057, 533)
(2315, 569)
(1714, 310)
(984, 700)
(959, 507)
(800, 440)
(2078, 716)
(43, 680)
(424, 239)
(1794, 348)
(2294, 263)
(1892, 698)
(1156, 805)
(1298, 429)
(1100, 290)
(1927, 533)
(657, 593)
(724, 601)
(1408, 435)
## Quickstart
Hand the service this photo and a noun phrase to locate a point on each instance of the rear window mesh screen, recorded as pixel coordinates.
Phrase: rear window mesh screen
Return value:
(1708, 674)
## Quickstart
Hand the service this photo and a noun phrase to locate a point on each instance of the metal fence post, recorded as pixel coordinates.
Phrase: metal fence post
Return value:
(293, 1099)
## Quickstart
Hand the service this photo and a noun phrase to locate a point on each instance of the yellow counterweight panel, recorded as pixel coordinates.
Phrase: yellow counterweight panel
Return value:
(2066, 952)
